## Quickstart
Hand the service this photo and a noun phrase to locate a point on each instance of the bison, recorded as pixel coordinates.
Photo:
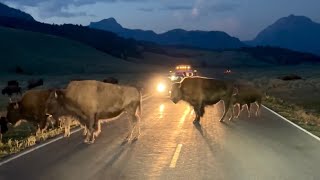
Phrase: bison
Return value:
(246, 95)
(90, 100)
(34, 83)
(3, 126)
(12, 88)
(31, 107)
(111, 80)
(200, 92)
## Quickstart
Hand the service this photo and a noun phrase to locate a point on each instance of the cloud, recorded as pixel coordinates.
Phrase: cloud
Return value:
(178, 7)
(203, 7)
(59, 8)
(146, 9)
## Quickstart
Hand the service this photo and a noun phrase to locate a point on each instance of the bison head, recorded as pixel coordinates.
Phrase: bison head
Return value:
(3, 125)
(13, 112)
(176, 94)
(55, 104)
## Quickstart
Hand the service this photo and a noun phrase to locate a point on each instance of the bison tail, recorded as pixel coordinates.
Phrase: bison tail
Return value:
(140, 104)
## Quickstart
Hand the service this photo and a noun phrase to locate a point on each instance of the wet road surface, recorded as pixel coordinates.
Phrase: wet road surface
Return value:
(172, 147)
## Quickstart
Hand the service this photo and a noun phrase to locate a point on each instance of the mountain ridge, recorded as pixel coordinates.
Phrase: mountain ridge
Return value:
(196, 38)
(293, 32)
(7, 11)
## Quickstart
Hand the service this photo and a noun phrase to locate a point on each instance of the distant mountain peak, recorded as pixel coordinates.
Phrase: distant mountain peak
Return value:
(110, 23)
(6, 11)
(292, 32)
(293, 19)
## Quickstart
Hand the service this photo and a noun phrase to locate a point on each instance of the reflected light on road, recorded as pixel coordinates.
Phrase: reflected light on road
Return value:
(161, 109)
(184, 116)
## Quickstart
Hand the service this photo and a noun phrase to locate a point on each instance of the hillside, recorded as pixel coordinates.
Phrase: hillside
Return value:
(6, 11)
(244, 57)
(199, 39)
(40, 53)
(293, 32)
(107, 42)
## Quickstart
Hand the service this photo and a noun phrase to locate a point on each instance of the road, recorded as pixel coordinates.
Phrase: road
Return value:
(171, 147)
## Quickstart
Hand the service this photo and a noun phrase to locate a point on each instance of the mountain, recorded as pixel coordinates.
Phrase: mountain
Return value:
(200, 39)
(293, 32)
(7, 11)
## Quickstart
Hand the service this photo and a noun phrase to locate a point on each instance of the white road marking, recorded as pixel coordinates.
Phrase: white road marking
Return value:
(175, 156)
(295, 125)
(49, 142)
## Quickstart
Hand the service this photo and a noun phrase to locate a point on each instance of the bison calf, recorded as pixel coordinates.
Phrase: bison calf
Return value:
(246, 95)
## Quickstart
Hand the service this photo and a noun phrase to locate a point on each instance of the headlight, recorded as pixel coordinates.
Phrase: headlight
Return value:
(173, 78)
(161, 87)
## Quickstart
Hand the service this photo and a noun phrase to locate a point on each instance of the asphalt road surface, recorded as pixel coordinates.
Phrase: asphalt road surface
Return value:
(172, 147)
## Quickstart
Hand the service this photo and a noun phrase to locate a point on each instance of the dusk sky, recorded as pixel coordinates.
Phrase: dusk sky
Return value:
(239, 18)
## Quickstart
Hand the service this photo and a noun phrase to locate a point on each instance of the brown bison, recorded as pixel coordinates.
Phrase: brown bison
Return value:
(246, 95)
(88, 101)
(111, 80)
(3, 126)
(200, 92)
(34, 83)
(12, 88)
(31, 107)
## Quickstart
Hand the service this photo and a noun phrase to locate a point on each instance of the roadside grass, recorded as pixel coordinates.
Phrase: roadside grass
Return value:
(297, 114)
(24, 136)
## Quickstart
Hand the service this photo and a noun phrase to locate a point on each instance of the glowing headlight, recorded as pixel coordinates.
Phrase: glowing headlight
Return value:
(161, 87)
(173, 78)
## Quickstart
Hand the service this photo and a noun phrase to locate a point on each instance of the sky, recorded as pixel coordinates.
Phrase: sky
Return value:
(243, 19)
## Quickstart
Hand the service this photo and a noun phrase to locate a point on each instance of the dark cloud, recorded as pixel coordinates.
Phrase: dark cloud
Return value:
(205, 8)
(146, 9)
(59, 8)
(178, 7)
(222, 7)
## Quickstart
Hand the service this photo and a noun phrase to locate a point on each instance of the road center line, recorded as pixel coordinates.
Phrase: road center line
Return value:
(175, 156)
(24, 152)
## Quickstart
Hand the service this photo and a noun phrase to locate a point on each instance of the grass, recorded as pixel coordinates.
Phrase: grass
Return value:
(24, 137)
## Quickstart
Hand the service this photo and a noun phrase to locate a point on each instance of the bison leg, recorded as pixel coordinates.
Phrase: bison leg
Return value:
(134, 122)
(226, 109)
(258, 108)
(199, 111)
(85, 131)
(248, 109)
(38, 132)
(239, 110)
(90, 131)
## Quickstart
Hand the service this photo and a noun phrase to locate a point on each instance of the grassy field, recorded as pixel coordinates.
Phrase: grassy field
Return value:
(38, 53)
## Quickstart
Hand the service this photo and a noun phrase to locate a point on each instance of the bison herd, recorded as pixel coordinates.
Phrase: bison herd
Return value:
(91, 102)
(88, 101)
(200, 92)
